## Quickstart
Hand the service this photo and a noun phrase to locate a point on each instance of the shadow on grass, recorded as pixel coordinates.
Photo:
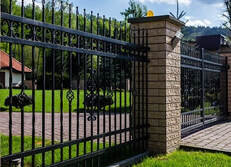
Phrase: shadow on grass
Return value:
(123, 110)
(95, 153)
(81, 110)
(4, 109)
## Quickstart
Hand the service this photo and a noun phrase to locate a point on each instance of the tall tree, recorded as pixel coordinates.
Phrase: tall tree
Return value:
(135, 9)
(5, 5)
(227, 14)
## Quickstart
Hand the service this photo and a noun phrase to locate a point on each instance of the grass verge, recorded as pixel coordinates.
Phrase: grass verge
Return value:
(188, 159)
(4, 150)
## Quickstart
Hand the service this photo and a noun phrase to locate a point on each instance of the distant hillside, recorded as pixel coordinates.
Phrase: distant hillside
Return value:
(190, 33)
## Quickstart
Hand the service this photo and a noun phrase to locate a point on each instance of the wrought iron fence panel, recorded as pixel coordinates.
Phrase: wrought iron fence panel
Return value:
(203, 87)
(88, 95)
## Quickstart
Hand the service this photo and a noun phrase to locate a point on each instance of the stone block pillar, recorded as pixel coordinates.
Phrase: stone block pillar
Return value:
(164, 95)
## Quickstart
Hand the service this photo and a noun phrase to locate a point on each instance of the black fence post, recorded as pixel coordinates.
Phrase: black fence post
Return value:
(226, 108)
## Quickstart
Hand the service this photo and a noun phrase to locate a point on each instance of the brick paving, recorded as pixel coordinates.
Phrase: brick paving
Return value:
(16, 127)
(217, 137)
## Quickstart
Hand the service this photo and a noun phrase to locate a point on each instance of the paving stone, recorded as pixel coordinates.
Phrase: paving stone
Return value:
(217, 137)
(16, 126)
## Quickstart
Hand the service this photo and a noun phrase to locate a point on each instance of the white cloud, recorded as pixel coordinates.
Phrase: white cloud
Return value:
(218, 5)
(171, 2)
(196, 22)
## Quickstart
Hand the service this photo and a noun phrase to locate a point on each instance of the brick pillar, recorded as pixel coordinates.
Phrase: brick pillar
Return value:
(164, 96)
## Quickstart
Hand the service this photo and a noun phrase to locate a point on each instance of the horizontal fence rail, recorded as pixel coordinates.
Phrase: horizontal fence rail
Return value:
(203, 87)
(77, 87)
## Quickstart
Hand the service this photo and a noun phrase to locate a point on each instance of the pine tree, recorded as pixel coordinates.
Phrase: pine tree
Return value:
(135, 9)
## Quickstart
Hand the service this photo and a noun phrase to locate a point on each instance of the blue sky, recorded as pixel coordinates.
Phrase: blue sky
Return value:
(199, 12)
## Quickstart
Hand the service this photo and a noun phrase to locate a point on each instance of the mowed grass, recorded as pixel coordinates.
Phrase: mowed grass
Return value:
(4, 93)
(188, 159)
(4, 149)
(176, 159)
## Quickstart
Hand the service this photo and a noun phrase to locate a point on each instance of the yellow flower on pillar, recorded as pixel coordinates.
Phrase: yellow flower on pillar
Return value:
(150, 13)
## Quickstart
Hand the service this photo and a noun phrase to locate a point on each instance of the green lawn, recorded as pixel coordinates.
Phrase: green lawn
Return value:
(38, 142)
(4, 93)
(176, 159)
(188, 159)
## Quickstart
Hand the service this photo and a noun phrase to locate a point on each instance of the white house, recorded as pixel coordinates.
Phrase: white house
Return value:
(16, 70)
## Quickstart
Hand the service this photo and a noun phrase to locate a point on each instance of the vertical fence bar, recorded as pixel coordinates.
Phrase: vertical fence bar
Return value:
(92, 91)
(33, 86)
(198, 91)
(78, 82)
(125, 86)
(115, 84)
(110, 49)
(53, 86)
(120, 85)
(227, 88)
(85, 88)
(130, 94)
(98, 88)
(203, 86)
(104, 118)
(44, 85)
(142, 90)
(61, 91)
(105, 50)
(139, 80)
(22, 90)
(134, 95)
(70, 82)
(10, 88)
(187, 97)
(146, 98)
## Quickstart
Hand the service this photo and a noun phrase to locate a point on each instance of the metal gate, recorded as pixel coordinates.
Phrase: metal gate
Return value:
(203, 87)
(57, 123)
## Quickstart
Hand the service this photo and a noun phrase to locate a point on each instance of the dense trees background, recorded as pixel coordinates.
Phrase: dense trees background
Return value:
(135, 9)
(77, 62)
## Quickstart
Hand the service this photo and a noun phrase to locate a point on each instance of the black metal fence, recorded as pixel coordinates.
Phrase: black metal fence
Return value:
(203, 87)
(95, 126)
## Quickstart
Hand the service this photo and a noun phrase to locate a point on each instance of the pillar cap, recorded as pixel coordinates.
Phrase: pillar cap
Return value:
(156, 18)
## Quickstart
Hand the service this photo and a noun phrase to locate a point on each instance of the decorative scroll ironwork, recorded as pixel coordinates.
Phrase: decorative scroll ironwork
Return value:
(190, 50)
(70, 96)
(94, 101)
(19, 101)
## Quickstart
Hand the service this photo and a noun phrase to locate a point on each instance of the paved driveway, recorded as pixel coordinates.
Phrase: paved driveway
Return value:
(217, 137)
(4, 125)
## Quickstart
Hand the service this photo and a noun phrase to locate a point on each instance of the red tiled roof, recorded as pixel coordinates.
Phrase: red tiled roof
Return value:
(16, 65)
